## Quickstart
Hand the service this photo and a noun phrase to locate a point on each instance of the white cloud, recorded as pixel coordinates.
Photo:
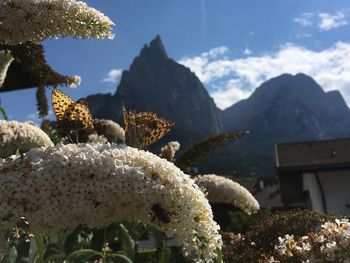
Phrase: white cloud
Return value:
(231, 92)
(328, 21)
(239, 77)
(304, 19)
(113, 76)
(34, 117)
(303, 35)
(215, 52)
(247, 51)
(198, 63)
(323, 21)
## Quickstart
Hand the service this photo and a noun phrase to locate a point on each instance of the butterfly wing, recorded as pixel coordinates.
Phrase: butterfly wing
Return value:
(78, 116)
(144, 128)
(71, 115)
(131, 135)
(60, 103)
(84, 103)
(155, 128)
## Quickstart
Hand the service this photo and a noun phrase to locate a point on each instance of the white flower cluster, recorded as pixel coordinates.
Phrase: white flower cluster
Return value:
(97, 138)
(97, 184)
(74, 81)
(5, 62)
(287, 244)
(168, 151)
(223, 190)
(21, 136)
(330, 244)
(109, 129)
(334, 240)
(36, 20)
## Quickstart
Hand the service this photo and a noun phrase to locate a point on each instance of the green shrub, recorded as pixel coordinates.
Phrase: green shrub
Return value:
(261, 238)
(240, 221)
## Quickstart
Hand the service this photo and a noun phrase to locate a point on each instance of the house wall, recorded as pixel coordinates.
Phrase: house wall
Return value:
(336, 191)
(336, 186)
(310, 184)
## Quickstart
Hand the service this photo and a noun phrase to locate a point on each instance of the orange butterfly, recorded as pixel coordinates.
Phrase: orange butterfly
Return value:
(71, 115)
(144, 128)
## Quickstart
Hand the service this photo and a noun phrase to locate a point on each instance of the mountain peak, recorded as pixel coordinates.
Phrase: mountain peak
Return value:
(287, 77)
(157, 83)
(154, 49)
(300, 85)
(289, 108)
(302, 75)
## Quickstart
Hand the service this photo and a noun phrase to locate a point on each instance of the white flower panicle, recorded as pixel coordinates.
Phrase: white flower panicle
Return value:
(5, 61)
(334, 240)
(36, 20)
(169, 150)
(287, 245)
(97, 184)
(223, 190)
(21, 136)
(330, 244)
(74, 81)
(97, 138)
(109, 129)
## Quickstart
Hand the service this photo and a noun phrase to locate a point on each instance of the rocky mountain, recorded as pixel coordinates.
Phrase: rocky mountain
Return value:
(284, 109)
(159, 84)
(288, 108)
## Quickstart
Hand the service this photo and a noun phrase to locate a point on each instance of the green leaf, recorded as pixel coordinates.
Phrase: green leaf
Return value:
(3, 113)
(98, 240)
(55, 258)
(39, 239)
(71, 240)
(146, 251)
(219, 257)
(11, 255)
(164, 255)
(118, 256)
(163, 252)
(22, 248)
(128, 244)
(81, 255)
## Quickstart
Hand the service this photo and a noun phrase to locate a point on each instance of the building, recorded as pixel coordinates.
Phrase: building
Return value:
(315, 174)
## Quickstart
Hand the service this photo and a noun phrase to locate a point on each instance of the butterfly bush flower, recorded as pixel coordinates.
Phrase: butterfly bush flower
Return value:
(109, 129)
(21, 136)
(168, 151)
(330, 244)
(97, 138)
(73, 81)
(223, 190)
(5, 62)
(36, 20)
(97, 184)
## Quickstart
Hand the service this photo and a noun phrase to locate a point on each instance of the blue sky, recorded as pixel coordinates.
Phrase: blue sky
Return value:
(232, 46)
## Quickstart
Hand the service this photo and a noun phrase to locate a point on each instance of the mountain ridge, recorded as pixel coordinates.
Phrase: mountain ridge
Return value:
(157, 83)
(286, 108)
(289, 108)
